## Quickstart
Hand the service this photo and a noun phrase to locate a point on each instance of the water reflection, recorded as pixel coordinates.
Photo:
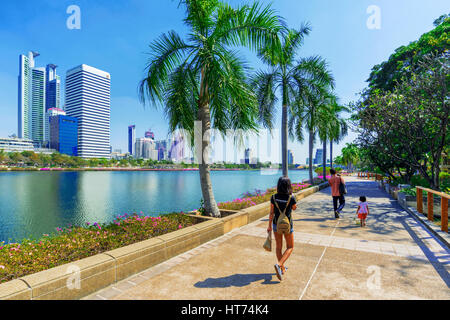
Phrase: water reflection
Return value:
(34, 203)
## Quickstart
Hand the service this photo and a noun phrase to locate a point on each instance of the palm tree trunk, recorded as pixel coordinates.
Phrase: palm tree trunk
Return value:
(331, 153)
(324, 160)
(311, 145)
(284, 135)
(204, 116)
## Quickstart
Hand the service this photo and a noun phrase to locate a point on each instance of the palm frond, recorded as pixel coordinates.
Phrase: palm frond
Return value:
(264, 84)
(166, 54)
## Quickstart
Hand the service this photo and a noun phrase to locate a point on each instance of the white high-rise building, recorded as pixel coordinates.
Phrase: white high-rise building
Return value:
(32, 97)
(146, 149)
(88, 99)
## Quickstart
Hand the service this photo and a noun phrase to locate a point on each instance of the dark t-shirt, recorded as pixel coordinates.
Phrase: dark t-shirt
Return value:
(281, 199)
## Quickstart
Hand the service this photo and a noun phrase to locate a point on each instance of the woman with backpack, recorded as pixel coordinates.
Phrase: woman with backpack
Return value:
(280, 221)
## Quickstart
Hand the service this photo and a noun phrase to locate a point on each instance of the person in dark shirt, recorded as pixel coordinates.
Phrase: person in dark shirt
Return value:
(284, 191)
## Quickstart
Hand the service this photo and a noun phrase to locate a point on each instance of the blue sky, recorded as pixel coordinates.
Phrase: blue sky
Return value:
(114, 37)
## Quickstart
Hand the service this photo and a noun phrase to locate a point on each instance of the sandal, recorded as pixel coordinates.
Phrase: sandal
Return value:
(283, 270)
(278, 272)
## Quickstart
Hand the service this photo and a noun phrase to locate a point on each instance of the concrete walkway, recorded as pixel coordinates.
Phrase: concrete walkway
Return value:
(394, 257)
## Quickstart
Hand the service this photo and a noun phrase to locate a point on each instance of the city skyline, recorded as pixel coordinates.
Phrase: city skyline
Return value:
(339, 34)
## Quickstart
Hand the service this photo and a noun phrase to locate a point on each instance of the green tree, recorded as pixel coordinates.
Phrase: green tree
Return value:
(338, 126)
(350, 155)
(410, 125)
(45, 159)
(203, 79)
(15, 158)
(93, 162)
(311, 109)
(289, 77)
(3, 156)
(399, 65)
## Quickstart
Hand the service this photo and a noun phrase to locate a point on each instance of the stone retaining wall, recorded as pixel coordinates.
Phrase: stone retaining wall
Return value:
(83, 277)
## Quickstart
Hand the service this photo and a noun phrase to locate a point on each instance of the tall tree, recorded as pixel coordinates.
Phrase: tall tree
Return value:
(202, 79)
(288, 77)
(308, 113)
(338, 126)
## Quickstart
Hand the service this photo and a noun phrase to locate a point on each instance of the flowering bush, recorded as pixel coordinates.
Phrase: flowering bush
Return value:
(74, 243)
(250, 199)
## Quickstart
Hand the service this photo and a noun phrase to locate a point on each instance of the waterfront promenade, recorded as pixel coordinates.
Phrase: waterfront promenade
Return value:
(394, 257)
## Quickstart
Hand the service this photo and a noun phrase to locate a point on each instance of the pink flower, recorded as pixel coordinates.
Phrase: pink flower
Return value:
(2, 267)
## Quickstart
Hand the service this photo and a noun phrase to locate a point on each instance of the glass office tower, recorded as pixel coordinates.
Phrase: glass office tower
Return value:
(88, 100)
(39, 90)
(64, 134)
(131, 139)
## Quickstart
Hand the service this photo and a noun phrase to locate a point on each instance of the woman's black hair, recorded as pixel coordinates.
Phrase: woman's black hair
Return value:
(332, 171)
(362, 199)
(284, 185)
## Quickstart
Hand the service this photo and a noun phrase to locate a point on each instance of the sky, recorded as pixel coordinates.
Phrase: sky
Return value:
(114, 36)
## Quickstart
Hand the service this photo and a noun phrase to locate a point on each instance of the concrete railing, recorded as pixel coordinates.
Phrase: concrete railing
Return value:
(83, 277)
(430, 203)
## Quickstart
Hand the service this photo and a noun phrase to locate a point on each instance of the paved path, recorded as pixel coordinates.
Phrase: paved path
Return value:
(394, 257)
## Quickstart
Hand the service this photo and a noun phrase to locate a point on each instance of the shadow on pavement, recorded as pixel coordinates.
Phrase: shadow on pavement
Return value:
(236, 280)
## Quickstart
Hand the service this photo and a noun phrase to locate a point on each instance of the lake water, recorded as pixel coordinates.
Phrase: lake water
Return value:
(35, 203)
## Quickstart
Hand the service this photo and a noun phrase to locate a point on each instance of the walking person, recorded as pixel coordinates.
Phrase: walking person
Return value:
(363, 210)
(280, 221)
(335, 181)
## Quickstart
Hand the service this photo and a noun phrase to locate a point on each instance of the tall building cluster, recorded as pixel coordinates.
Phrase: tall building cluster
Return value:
(82, 126)
(148, 148)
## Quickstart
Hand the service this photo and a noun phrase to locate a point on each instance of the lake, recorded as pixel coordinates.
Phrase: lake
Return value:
(35, 203)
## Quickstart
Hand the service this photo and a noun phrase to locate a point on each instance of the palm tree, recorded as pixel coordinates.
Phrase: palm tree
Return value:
(309, 112)
(288, 76)
(350, 154)
(202, 79)
(339, 127)
(324, 127)
(331, 127)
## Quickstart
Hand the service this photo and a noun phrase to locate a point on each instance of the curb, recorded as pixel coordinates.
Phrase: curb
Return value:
(81, 278)
(435, 230)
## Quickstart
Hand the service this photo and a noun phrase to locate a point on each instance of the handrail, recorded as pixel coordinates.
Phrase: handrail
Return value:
(438, 193)
(370, 175)
(430, 203)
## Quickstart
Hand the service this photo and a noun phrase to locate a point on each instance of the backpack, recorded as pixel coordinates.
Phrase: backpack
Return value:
(283, 223)
(342, 188)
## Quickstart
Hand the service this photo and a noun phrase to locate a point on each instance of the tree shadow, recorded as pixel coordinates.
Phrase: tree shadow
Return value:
(236, 280)
(431, 256)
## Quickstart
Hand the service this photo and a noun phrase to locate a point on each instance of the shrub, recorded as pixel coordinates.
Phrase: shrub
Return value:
(74, 243)
(257, 197)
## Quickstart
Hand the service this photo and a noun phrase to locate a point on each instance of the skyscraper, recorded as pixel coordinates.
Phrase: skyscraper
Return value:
(88, 100)
(150, 134)
(131, 139)
(290, 158)
(64, 132)
(319, 156)
(146, 149)
(53, 88)
(31, 98)
(51, 112)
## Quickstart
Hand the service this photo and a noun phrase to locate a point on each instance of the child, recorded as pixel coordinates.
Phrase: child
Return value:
(363, 210)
